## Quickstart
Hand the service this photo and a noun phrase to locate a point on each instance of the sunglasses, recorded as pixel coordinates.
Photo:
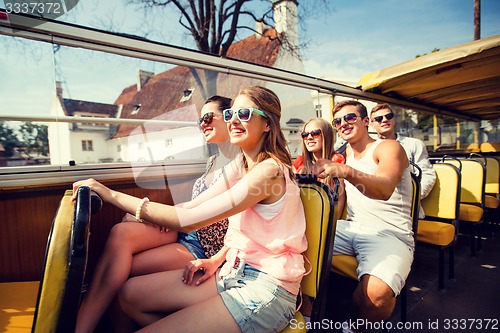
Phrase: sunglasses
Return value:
(314, 133)
(388, 116)
(349, 118)
(207, 119)
(243, 114)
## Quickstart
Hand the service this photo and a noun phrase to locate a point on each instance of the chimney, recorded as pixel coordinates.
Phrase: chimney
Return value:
(142, 78)
(59, 89)
(259, 29)
(286, 19)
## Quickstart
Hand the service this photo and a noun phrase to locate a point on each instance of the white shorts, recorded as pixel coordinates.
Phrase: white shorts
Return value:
(378, 254)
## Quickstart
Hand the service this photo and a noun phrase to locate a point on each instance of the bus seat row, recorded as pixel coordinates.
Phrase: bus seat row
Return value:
(485, 147)
(439, 228)
(51, 305)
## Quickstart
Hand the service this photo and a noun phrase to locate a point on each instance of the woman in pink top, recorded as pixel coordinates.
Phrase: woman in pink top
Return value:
(141, 248)
(256, 290)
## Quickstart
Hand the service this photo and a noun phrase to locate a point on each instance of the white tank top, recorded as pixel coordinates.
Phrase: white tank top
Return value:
(390, 216)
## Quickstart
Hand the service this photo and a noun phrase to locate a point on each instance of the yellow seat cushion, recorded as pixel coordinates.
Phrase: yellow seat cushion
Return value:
(17, 306)
(490, 201)
(297, 324)
(490, 147)
(345, 265)
(470, 213)
(437, 233)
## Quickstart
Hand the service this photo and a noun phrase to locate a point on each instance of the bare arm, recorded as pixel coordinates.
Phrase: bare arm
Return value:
(391, 159)
(208, 266)
(257, 185)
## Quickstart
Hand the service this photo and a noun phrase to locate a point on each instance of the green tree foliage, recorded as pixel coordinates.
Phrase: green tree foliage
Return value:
(8, 139)
(35, 138)
(30, 137)
(421, 55)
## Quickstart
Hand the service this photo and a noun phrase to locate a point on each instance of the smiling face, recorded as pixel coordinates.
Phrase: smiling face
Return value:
(384, 127)
(216, 131)
(247, 134)
(314, 140)
(354, 126)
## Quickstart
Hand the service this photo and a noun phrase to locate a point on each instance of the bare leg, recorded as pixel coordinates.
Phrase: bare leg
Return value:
(148, 298)
(159, 259)
(373, 299)
(113, 269)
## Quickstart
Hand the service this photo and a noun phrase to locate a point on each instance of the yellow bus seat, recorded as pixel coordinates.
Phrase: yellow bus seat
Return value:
(17, 305)
(440, 226)
(492, 192)
(472, 197)
(347, 265)
(432, 232)
(320, 205)
(490, 147)
(51, 305)
(490, 201)
(473, 148)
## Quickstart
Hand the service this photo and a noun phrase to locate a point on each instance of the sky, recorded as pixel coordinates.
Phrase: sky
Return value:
(364, 36)
(352, 39)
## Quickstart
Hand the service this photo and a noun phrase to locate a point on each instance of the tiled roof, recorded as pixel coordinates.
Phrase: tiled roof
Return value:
(72, 106)
(162, 93)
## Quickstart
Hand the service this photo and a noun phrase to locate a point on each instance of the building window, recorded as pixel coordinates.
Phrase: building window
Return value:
(186, 94)
(136, 109)
(87, 145)
(168, 142)
(319, 110)
(119, 148)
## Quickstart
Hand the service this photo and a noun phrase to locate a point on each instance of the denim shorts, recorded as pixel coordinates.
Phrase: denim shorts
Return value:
(191, 242)
(255, 300)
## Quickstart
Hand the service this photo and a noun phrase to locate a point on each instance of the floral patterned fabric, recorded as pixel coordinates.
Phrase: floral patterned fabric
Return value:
(211, 237)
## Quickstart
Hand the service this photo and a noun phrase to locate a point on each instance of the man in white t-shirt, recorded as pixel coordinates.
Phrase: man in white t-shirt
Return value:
(378, 228)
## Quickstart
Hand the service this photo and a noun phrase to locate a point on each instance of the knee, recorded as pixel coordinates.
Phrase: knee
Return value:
(379, 299)
(376, 297)
(127, 297)
(120, 235)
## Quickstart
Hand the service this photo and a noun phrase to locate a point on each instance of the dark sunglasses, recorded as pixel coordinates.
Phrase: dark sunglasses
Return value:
(388, 116)
(349, 118)
(207, 119)
(243, 114)
(314, 133)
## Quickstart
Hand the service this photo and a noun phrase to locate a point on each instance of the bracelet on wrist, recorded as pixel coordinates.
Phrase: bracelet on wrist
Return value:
(139, 209)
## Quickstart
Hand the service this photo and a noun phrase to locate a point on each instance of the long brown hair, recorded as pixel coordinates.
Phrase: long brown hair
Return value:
(275, 145)
(327, 150)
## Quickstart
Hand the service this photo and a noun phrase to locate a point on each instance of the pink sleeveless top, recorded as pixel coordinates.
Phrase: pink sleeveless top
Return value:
(273, 246)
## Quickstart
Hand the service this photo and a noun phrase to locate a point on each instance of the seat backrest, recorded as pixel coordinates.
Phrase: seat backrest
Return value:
(443, 202)
(320, 205)
(490, 147)
(473, 177)
(492, 176)
(415, 203)
(473, 148)
(65, 263)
